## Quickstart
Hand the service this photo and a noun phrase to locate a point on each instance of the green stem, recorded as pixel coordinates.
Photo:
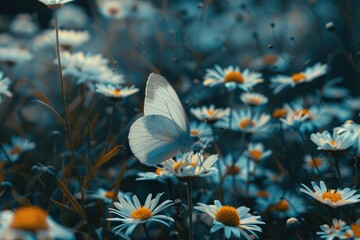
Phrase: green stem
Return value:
(110, 124)
(338, 170)
(312, 157)
(146, 231)
(189, 198)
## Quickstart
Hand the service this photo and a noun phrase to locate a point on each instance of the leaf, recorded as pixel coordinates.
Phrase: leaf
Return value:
(62, 206)
(74, 203)
(51, 109)
(118, 183)
(94, 169)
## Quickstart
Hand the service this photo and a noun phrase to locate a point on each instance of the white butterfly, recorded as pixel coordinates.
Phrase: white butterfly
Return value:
(164, 130)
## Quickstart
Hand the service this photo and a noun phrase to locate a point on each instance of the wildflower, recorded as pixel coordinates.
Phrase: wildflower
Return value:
(115, 92)
(355, 229)
(326, 142)
(256, 152)
(31, 222)
(203, 131)
(69, 39)
(211, 114)
(24, 25)
(18, 146)
(55, 4)
(253, 99)
(331, 197)
(159, 174)
(350, 130)
(353, 103)
(337, 230)
(232, 77)
(292, 223)
(237, 221)
(105, 195)
(240, 169)
(14, 55)
(122, 9)
(320, 162)
(131, 213)
(245, 121)
(279, 82)
(191, 165)
(4, 86)
(335, 92)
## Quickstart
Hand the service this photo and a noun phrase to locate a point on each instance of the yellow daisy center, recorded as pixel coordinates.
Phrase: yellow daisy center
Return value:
(281, 206)
(279, 113)
(234, 76)
(113, 11)
(142, 213)
(298, 77)
(211, 112)
(116, 92)
(254, 101)
(158, 171)
(232, 170)
(316, 163)
(29, 218)
(332, 142)
(15, 150)
(108, 194)
(194, 132)
(270, 59)
(246, 122)
(356, 229)
(255, 154)
(178, 164)
(302, 112)
(228, 216)
(332, 196)
(263, 194)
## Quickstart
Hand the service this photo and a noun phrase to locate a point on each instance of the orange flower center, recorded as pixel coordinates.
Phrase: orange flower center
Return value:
(113, 11)
(356, 229)
(29, 218)
(281, 206)
(332, 142)
(263, 194)
(116, 92)
(279, 113)
(270, 59)
(232, 170)
(255, 154)
(228, 216)
(234, 76)
(15, 150)
(298, 77)
(332, 196)
(108, 194)
(316, 163)
(142, 213)
(194, 132)
(211, 112)
(302, 112)
(254, 101)
(246, 122)
(158, 171)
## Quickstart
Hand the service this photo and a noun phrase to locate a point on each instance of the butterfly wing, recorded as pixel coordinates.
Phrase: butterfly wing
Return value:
(155, 138)
(161, 99)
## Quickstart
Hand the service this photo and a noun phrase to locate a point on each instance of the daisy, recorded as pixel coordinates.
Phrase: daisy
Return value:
(4, 86)
(240, 169)
(245, 121)
(211, 114)
(337, 111)
(350, 130)
(18, 146)
(115, 92)
(353, 103)
(355, 229)
(253, 99)
(256, 152)
(321, 162)
(54, 4)
(23, 25)
(326, 142)
(270, 61)
(159, 174)
(203, 131)
(105, 195)
(69, 39)
(331, 197)
(335, 231)
(280, 82)
(237, 221)
(111, 9)
(130, 213)
(31, 222)
(335, 92)
(191, 165)
(232, 77)
(14, 55)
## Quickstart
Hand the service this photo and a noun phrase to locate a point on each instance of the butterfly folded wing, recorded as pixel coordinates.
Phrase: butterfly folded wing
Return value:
(161, 99)
(154, 139)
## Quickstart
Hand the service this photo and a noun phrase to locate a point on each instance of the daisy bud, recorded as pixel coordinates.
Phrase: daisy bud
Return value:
(330, 26)
(292, 223)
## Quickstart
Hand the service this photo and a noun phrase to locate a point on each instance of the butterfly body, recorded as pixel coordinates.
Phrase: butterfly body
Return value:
(163, 131)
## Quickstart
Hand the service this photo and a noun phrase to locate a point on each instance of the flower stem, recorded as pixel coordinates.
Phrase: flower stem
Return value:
(110, 124)
(338, 170)
(67, 128)
(312, 157)
(189, 198)
(146, 231)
